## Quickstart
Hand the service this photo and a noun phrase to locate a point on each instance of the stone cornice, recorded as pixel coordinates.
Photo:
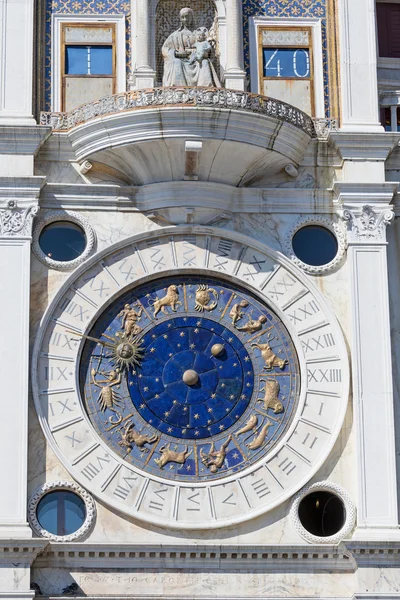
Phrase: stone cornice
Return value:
(364, 146)
(22, 140)
(18, 551)
(158, 196)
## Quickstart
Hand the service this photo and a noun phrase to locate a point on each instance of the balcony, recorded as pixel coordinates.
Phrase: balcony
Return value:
(245, 138)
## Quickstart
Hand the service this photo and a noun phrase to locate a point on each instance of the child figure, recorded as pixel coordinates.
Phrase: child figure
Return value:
(201, 48)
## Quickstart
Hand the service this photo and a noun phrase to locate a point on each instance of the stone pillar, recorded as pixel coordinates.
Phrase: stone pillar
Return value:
(235, 76)
(16, 54)
(358, 66)
(18, 206)
(143, 75)
(367, 211)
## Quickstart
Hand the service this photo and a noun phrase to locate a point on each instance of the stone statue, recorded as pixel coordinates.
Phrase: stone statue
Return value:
(187, 55)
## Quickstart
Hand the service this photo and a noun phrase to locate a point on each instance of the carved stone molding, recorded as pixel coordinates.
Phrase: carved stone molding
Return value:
(335, 227)
(349, 506)
(71, 487)
(68, 216)
(17, 221)
(367, 224)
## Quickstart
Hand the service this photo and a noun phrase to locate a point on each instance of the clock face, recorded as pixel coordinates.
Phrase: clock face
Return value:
(190, 379)
(213, 387)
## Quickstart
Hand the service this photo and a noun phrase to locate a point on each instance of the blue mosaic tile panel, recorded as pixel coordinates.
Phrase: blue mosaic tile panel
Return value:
(83, 7)
(303, 9)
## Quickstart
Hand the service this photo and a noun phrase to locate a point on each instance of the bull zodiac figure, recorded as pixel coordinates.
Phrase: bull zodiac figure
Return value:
(214, 459)
(168, 455)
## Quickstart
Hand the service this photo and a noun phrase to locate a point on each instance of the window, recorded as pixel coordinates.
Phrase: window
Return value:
(61, 512)
(62, 241)
(88, 69)
(286, 64)
(388, 17)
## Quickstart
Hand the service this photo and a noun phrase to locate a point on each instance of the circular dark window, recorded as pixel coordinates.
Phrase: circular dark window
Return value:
(61, 512)
(322, 514)
(62, 241)
(315, 245)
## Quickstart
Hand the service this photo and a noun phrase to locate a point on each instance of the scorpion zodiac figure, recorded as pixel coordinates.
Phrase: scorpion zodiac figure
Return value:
(108, 398)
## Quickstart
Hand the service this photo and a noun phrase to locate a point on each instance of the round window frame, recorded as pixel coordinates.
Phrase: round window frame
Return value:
(333, 227)
(349, 508)
(68, 217)
(55, 486)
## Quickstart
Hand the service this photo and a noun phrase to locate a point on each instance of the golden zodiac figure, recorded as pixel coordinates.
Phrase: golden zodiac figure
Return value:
(251, 424)
(271, 392)
(271, 360)
(253, 325)
(203, 298)
(214, 459)
(259, 438)
(236, 313)
(129, 320)
(130, 438)
(108, 397)
(168, 456)
(171, 299)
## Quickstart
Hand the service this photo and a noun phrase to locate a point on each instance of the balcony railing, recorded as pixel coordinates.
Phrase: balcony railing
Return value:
(184, 96)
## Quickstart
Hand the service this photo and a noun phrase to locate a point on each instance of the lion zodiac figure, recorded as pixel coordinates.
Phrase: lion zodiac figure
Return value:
(170, 299)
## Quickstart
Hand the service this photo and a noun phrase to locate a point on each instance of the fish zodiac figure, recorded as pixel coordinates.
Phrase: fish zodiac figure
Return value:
(259, 438)
(204, 295)
(168, 455)
(170, 299)
(214, 459)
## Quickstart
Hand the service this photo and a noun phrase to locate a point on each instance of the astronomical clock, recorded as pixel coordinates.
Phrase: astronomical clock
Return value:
(190, 380)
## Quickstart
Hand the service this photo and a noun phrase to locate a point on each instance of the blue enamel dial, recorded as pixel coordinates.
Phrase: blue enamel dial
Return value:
(189, 379)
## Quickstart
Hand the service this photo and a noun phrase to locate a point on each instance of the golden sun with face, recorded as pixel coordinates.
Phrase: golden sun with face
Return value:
(127, 351)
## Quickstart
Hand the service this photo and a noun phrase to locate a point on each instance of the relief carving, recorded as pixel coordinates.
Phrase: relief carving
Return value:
(16, 221)
(369, 224)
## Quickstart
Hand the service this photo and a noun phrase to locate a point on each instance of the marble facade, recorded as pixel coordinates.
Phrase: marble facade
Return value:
(176, 171)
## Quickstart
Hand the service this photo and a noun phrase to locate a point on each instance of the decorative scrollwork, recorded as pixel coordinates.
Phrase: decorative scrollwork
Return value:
(188, 96)
(15, 221)
(350, 511)
(369, 224)
(71, 487)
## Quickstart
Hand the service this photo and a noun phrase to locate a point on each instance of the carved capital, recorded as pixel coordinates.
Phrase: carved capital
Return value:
(367, 224)
(17, 221)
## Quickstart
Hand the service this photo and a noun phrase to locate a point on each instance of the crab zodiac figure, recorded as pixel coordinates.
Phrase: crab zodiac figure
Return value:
(203, 298)
(214, 459)
(129, 319)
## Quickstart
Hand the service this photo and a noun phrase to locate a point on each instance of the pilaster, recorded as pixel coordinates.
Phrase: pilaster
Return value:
(16, 53)
(143, 74)
(235, 76)
(367, 210)
(18, 207)
(358, 68)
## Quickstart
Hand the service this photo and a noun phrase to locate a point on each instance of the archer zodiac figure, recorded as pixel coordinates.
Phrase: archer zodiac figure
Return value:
(214, 459)
(108, 399)
(130, 318)
(130, 438)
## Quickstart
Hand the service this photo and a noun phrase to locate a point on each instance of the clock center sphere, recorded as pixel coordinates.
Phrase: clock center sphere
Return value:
(190, 377)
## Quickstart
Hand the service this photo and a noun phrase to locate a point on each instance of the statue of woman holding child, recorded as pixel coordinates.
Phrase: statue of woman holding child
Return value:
(187, 55)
